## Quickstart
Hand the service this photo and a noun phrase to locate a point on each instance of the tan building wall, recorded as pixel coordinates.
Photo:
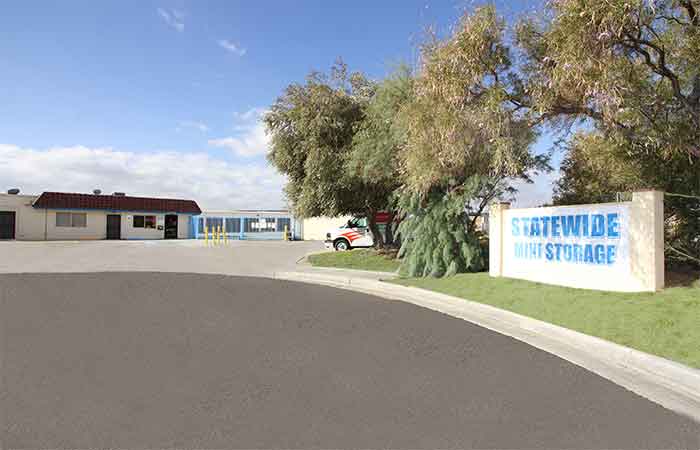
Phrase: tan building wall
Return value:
(95, 227)
(32, 224)
(315, 228)
(29, 222)
(129, 232)
(183, 226)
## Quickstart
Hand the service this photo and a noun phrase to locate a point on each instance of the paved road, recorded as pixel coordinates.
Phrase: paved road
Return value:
(135, 360)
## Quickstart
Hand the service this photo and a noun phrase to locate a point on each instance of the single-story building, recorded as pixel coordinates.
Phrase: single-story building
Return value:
(248, 224)
(74, 216)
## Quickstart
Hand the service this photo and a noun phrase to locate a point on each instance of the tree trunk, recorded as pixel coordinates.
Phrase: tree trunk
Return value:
(376, 234)
(389, 233)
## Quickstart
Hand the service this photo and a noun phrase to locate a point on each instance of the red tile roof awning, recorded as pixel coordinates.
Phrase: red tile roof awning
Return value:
(62, 200)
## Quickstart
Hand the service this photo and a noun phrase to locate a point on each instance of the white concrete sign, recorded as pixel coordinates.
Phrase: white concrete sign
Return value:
(608, 246)
(567, 244)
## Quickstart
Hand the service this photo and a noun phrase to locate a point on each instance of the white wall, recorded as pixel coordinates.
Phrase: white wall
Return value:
(129, 232)
(315, 228)
(32, 224)
(633, 261)
(96, 227)
(29, 222)
(183, 226)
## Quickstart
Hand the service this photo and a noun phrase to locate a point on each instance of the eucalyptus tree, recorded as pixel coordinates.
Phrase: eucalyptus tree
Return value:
(331, 171)
(467, 134)
(378, 140)
(629, 70)
(311, 126)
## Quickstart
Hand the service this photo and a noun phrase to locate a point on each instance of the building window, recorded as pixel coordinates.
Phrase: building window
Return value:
(63, 219)
(145, 222)
(79, 220)
(259, 224)
(214, 222)
(251, 225)
(71, 220)
(233, 225)
(282, 222)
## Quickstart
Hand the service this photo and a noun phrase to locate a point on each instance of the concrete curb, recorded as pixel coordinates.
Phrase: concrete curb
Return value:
(670, 384)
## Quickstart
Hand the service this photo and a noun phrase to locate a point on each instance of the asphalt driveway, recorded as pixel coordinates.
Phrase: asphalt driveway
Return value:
(164, 360)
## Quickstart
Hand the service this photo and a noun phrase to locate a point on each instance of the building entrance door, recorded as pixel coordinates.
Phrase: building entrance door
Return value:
(114, 226)
(171, 226)
(7, 224)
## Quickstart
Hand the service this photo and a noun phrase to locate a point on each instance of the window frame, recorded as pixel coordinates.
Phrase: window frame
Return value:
(147, 222)
(150, 222)
(65, 223)
(84, 221)
(69, 219)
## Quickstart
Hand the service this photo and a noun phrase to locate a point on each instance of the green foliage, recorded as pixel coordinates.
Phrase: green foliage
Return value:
(464, 119)
(380, 136)
(594, 171)
(435, 241)
(631, 70)
(630, 66)
(312, 127)
(466, 138)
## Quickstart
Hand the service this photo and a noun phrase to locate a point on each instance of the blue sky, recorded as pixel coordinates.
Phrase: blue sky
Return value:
(163, 97)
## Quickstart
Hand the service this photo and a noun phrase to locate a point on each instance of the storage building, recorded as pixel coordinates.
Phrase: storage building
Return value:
(73, 216)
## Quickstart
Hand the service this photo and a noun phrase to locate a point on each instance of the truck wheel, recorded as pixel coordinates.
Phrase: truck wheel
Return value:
(341, 245)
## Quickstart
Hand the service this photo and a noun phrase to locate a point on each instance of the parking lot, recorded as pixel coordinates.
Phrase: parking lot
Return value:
(252, 258)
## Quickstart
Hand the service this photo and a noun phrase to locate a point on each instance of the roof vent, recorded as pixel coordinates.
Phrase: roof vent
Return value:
(14, 191)
(119, 194)
(97, 192)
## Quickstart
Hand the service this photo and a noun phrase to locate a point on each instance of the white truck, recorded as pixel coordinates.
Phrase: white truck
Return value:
(354, 233)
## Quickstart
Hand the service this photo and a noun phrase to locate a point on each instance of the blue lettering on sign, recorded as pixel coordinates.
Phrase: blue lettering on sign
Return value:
(555, 226)
(535, 226)
(613, 225)
(545, 225)
(598, 225)
(571, 225)
(603, 228)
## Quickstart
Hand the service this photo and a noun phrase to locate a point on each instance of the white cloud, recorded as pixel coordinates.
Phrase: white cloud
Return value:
(232, 47)
(213, 183)
(193, 124)
(174, 18)
(251, 139)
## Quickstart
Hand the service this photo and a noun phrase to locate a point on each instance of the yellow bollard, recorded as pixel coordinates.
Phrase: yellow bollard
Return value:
(225, 237)
(286, 236)
(218, 234)
(206, 235)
